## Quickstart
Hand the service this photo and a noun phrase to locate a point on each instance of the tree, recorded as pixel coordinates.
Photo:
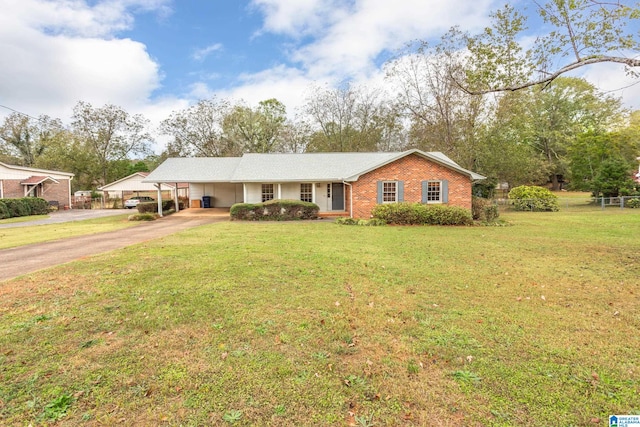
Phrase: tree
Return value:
(256, 130)
(198, 131)
(109, 134)
(24, 139)
(442, 116)
(580, 33)
(350, 119)
(613, 179)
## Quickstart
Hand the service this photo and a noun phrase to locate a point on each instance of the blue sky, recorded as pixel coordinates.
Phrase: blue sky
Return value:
(157, 56)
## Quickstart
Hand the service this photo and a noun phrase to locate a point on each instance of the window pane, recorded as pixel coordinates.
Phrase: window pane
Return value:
(389, 192)
(433, 191)
(267, 192)
(306, 192)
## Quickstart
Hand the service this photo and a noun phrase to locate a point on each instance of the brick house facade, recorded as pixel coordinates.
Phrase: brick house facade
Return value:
(18, 181)
(339, 183)
(412, 171)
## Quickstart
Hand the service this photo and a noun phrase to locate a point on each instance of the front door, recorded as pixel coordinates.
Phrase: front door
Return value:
(337, 196)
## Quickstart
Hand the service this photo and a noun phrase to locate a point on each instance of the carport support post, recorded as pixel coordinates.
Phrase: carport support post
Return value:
(158, 186)
(175, 198)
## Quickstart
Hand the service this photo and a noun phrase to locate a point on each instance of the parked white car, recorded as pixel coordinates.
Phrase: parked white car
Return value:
(133, 202)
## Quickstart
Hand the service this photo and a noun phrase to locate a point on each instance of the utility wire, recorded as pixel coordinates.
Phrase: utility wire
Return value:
(19, 112)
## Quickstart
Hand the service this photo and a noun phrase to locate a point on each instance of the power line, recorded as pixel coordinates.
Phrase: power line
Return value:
(19, 112)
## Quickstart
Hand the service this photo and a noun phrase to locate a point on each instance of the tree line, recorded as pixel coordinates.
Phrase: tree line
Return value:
(483, 100)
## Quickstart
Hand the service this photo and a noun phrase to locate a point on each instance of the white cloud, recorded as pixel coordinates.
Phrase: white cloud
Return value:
(201, 54)
(611, 79)
(65, 51)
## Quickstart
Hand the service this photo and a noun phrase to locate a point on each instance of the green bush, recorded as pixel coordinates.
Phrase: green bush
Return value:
(17, 208)
(4, 211)
(373, 222)
(421, 214)
(632, 203)
(143, 217)
(275, 210)
(36, 205)
(152, 207)
(534, 199)
(484, 210)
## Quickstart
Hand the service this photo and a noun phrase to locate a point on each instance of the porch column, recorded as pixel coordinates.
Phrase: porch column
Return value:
(244, 193)
(175, 197)
(313, 192)
(279, 191)
(159, 187)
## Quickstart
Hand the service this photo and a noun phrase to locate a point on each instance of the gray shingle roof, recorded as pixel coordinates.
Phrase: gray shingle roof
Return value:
(307, 167)
(195, 169)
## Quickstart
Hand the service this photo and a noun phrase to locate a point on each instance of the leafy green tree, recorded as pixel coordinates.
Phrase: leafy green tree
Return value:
(256, 130)
(198, 131)
(24, 139)
(613, 179)
(579, 33)
(110, 134)
(351, 119)
(442, 116)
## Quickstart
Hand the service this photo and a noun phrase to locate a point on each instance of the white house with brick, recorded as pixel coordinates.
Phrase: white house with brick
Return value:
(19, 181)
(339, 183)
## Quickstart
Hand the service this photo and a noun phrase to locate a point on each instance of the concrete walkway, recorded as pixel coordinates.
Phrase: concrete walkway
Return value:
(27, 259)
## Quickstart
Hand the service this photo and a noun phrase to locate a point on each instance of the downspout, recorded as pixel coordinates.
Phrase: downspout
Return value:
(158, 185)
(350, 198)
(70, 204)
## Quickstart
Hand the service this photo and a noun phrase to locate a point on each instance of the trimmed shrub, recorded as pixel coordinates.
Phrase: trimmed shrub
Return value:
(147, 207)
(17, 208)
(632, 203)
(4, 211)
(373, 222)
(534, 199)
(275, 210)
(143, 217)
(421, 214)
(36, 205)
(484, 210)
(152, 207)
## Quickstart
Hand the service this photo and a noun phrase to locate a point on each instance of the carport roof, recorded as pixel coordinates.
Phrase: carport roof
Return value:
(195, 169)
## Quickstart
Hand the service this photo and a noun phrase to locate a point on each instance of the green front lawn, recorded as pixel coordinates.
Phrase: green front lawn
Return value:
(311, 323)
(18, 236)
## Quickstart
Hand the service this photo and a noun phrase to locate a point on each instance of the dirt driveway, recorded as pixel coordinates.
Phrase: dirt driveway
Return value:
(30, 258)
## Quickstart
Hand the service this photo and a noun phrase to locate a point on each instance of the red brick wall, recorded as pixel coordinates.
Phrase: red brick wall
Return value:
(412, 169)
(12, 189)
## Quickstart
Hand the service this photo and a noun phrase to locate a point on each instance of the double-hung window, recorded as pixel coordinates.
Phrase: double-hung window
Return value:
(267, 192)
(306, 192)
(389, 192)
(434, 192)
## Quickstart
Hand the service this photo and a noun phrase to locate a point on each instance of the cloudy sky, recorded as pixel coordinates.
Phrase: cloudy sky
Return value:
(157, 56)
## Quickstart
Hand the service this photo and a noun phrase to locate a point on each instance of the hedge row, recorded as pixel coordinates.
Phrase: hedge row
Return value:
(13, 208)
(152, 207)
(420, 214)
(275, 210)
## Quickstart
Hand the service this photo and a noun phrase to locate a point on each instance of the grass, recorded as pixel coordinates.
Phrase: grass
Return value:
(311, 323)
(12, 237)
(22, 219)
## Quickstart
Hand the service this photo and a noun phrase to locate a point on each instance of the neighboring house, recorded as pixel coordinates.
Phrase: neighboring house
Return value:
(344, 183)
(19, 181)
(133, 184)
